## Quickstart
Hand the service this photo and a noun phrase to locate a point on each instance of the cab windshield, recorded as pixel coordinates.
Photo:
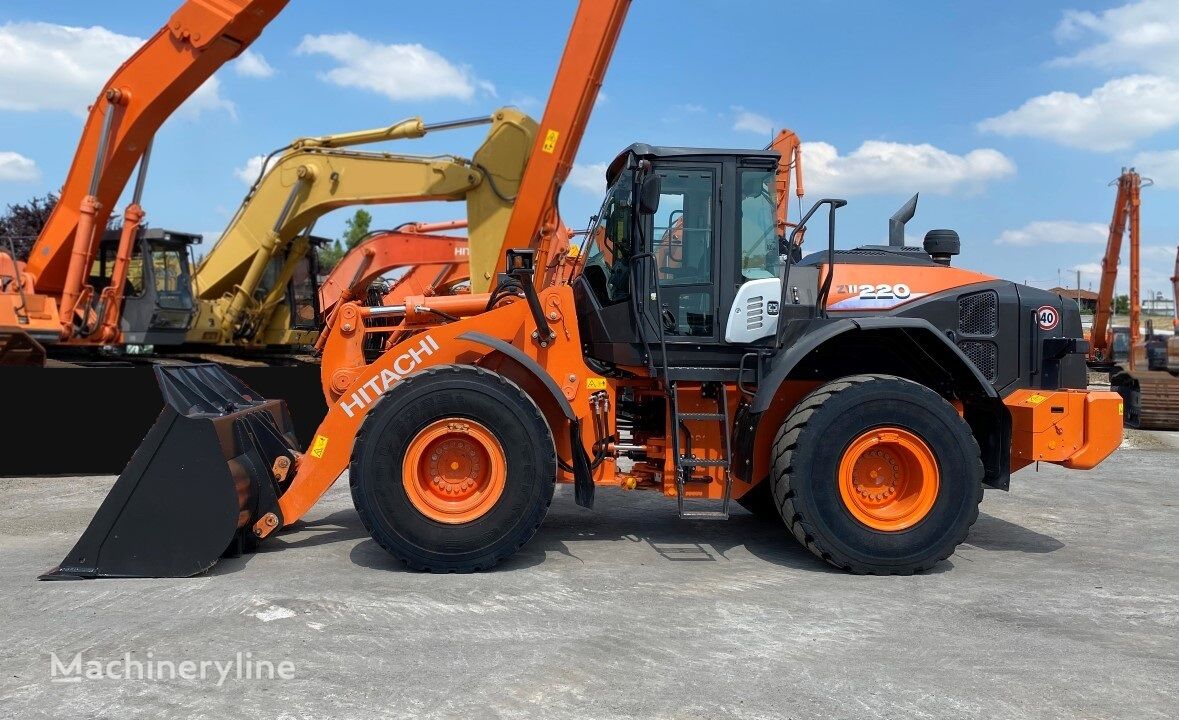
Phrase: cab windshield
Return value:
(610, 246)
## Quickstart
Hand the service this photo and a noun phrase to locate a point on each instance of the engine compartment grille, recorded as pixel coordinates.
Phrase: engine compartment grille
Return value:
(978, 313)
(985, 356)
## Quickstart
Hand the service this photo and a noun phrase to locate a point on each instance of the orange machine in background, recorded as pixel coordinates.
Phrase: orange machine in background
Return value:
(199, 38)
(1151, 397)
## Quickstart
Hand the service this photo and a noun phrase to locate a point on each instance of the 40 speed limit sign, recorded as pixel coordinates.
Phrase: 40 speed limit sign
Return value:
(1047, 317)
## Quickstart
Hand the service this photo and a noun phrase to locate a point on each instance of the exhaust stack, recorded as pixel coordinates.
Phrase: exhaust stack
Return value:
(896, 223)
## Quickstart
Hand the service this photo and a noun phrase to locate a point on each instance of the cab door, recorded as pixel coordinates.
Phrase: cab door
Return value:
(683, 236)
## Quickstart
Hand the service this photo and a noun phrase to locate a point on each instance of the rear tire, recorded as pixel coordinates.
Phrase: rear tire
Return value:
(492, 489)
(905, 521)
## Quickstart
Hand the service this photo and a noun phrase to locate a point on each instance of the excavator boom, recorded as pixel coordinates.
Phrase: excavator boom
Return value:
(237, 286)
(200, 37)
(385, 251)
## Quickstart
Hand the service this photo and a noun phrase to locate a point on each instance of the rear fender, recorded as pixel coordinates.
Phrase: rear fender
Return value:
(908, 347)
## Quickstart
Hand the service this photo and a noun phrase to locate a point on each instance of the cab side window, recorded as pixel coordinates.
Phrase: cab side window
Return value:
(608, 255)
(759, 241)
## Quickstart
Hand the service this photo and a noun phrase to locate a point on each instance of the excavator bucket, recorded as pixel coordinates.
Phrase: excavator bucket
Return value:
(205, 472)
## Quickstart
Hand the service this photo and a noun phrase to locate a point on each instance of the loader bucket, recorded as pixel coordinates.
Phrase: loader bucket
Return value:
(193, 489)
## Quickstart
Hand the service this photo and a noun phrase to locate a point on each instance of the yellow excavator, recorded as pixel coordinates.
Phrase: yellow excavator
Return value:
(256, 287)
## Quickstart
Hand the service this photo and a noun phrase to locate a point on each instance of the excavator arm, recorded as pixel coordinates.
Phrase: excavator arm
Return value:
(235, 286)
(789, 146)
(1101, 340)
(200, 37)
(1175, 290)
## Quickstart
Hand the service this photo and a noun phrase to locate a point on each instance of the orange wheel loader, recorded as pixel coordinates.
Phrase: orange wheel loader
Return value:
(865, 397)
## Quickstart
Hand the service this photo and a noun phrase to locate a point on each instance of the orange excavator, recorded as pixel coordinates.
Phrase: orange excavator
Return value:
(1151, 396)
(1173, 342)
(431, 264)
(52, 298)
(862, 396)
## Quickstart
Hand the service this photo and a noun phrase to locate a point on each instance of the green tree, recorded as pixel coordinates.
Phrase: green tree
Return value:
(1122, 305)
(22, 223)
(329, 257)
(355, 228)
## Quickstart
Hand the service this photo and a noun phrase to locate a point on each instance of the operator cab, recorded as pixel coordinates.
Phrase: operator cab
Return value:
(698, 270)
(157, 298)
(302, 291)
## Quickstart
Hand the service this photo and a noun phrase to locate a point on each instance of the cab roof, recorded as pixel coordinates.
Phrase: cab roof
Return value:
(643, 150)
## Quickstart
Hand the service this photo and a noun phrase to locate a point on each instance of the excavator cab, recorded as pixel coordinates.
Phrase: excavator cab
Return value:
(157, 300)
(301, 314)
(303, 290)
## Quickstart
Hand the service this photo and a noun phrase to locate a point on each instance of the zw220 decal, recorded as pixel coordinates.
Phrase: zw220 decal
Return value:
(873, 296)
(882, 291)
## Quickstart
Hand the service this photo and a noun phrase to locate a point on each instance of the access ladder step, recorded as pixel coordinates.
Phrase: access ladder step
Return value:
(686, 462)
(702, 416)
(704, 515)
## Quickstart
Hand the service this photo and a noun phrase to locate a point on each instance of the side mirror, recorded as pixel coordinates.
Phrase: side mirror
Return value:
(649, 194)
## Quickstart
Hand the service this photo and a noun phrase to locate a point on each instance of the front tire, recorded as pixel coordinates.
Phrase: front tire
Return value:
(453, 469)
(877, 475)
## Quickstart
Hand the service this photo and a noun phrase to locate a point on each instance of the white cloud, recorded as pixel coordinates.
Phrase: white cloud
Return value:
(1139, 34)
(1158, 252)
(15, 167)
(683, 111)
(590, 178)
(1161, 166)
(399, 72)
(887, 167)
(525, 102)
(1055, 232)
(746, 121)
(1153, 276)
(56, 67)
(249, 172)
(252, 64)
(1112, 117)
(1142, 36)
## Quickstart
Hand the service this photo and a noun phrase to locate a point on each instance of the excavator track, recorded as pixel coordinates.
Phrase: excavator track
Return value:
(1151, 398)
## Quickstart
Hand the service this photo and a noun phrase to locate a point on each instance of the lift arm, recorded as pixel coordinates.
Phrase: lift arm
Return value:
(535, 221)
(201, 36)
(314, 176)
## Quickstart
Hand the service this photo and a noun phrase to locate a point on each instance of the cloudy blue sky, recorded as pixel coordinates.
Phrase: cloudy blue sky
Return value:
(1009, 117)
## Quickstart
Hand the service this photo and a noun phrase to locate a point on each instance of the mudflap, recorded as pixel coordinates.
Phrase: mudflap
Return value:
(194, 488)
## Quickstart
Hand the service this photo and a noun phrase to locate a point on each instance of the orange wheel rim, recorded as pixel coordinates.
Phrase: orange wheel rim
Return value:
(888, 479)
(454, 470)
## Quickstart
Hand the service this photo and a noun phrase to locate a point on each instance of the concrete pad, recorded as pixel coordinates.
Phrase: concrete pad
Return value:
(1064, 602)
